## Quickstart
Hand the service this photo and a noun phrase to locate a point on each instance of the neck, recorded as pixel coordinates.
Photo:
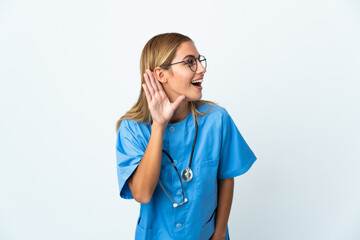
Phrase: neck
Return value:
(181, 112)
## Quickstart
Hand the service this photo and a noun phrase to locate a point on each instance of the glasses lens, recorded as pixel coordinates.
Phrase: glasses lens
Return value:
(191, 61)
(203, 61)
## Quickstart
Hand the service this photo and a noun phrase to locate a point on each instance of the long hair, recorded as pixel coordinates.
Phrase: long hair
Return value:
(158, 52)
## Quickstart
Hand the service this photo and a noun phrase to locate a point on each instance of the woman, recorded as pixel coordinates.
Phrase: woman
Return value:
(180, 170)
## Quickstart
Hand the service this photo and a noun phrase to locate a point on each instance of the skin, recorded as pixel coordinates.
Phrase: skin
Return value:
(168, 93)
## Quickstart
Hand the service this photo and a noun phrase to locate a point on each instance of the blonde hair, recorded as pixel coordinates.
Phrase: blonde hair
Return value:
(158, 52)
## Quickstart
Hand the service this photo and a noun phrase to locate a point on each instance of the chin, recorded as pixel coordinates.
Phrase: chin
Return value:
(194, 99)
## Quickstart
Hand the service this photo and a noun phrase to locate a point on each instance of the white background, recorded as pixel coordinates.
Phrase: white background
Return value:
(287, 72)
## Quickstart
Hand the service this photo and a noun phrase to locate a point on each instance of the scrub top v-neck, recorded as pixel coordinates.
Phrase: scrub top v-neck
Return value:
(220, 152)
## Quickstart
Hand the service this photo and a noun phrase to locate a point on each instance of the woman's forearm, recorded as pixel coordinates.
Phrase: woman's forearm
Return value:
(225, 196)
(144, 179)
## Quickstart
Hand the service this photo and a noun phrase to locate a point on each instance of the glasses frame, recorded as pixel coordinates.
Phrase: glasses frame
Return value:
(187, 61)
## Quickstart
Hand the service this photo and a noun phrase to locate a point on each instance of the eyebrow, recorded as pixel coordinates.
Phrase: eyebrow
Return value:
(190, 56)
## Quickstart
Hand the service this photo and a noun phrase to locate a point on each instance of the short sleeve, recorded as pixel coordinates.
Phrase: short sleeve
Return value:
(129, 152)
(236, 157)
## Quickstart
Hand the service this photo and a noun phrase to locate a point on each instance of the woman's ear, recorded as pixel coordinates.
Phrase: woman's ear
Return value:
(160, 74)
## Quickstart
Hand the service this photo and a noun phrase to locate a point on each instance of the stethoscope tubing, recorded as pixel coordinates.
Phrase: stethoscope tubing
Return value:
(189, 167)
(195, 138)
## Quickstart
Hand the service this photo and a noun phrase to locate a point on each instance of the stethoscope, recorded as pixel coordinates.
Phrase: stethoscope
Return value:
(186, 174)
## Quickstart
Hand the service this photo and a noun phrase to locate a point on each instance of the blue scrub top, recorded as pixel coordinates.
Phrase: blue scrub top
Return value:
(220, 152)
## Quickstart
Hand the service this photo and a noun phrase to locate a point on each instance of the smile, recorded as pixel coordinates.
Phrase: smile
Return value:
(197, 83)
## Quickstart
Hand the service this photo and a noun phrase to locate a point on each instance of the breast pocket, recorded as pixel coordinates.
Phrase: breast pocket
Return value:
(208, 177)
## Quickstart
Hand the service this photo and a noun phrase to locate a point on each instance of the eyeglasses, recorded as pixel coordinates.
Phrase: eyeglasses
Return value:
(192, 63)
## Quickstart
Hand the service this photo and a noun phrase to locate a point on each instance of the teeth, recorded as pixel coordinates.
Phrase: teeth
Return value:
(198, 81)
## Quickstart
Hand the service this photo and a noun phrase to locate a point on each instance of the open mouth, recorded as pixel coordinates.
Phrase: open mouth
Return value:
(197, 84)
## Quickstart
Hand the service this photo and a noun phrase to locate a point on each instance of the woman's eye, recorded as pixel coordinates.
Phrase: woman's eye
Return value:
(191, 61)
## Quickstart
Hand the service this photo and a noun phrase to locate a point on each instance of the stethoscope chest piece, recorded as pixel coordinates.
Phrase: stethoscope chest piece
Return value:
(187, 175)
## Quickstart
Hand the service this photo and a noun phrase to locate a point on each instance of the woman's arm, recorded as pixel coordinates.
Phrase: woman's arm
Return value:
(225, 196)
(143, 181)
